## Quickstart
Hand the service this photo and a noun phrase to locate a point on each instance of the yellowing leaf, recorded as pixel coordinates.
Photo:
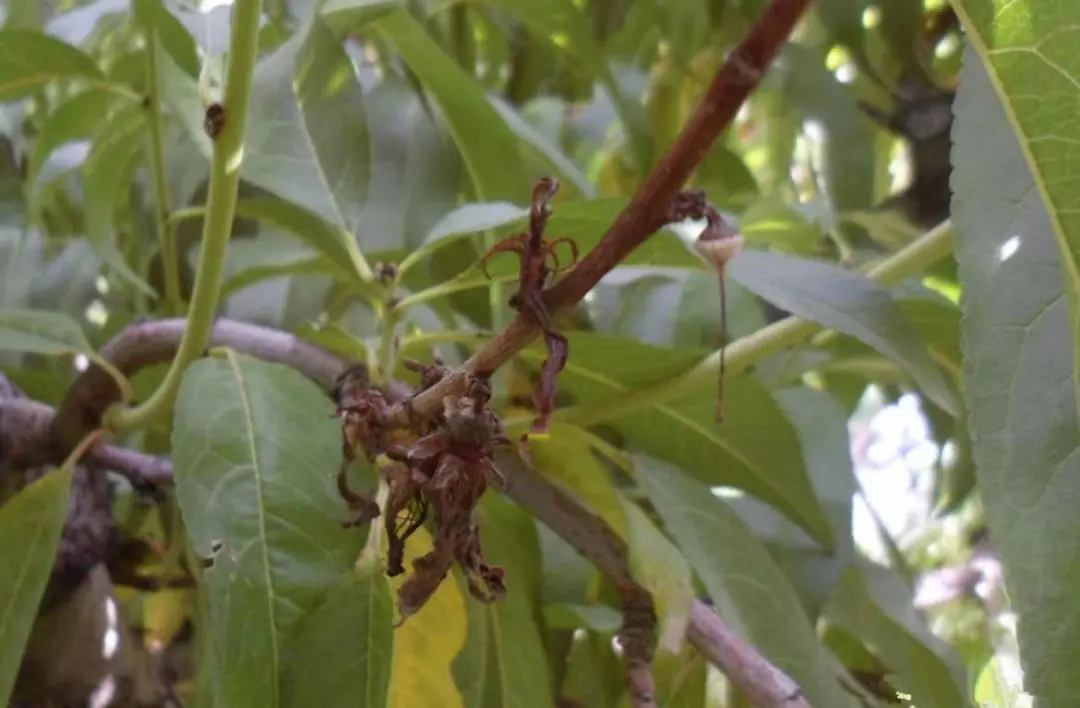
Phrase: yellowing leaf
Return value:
(661, 568)
(503, 664)
(566, 457)
(426, 644)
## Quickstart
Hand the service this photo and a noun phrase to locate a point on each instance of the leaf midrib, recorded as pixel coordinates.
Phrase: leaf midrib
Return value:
(261, 506)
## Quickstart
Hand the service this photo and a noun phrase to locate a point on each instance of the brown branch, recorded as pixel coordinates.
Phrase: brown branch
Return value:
(650, 208)
(154, 342)
(25, 427)
(765, 684)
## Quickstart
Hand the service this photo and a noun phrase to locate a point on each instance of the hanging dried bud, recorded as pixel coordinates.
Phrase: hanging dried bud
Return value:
(718, 243)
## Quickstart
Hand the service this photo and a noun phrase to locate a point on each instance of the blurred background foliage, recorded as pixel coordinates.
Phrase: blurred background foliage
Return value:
(844, 531)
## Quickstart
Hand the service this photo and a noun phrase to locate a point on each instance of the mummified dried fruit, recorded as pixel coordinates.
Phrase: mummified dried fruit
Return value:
(445, 469)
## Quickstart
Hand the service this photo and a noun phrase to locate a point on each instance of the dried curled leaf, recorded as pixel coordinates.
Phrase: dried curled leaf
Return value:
(538, 262)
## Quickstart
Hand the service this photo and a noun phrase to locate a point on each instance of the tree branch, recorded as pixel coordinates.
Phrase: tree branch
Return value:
(156, 342)
(650, 208)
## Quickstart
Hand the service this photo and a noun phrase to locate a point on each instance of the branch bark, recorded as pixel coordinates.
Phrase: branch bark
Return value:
(156, 342)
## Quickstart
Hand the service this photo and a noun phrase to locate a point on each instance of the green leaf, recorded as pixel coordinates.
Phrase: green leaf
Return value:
(848, 145)
(40, 332)
(29, 59)
(307, 141)
(756, 449)
(466, 219)
(748, 589)
(597, 617)
(1034, 73)
(344, 647)
(541, 151)
(30, 526)
(416, 170)
(503, 662)
(873, 603)
(1018, 382)
(78, 117)
(270, 254)
(993, 689)
(347, 15)
(849, 303)
(304, 225)
(586, 222)
(594, 675)
(566, 458)
(661, 569)
(680, 679)
(106, 175)
(255, 457)
(821, 424)
(563, 23)
(169, 32)
(490, 150)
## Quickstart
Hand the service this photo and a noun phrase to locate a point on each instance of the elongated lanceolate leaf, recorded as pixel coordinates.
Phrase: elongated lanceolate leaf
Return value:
(255, 458)
(750, 591)
(1028, 49)
(503, 662)
(847, 302)
(30, 526)
(1018, 380)
(30, 59)
(344, 649)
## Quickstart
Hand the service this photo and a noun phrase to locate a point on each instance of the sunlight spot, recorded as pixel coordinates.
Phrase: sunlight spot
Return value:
(947, 46)
(814, 130)
(104, 693)
(871, 17)
(234, 161)
(97, 314)
(101, 285)
(81, 362)
(561, 40)
(1009, 249)
(728, 492)
(846, 73)
(110, 641)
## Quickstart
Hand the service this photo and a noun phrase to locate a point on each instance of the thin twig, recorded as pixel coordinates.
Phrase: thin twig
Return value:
(765, 684)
